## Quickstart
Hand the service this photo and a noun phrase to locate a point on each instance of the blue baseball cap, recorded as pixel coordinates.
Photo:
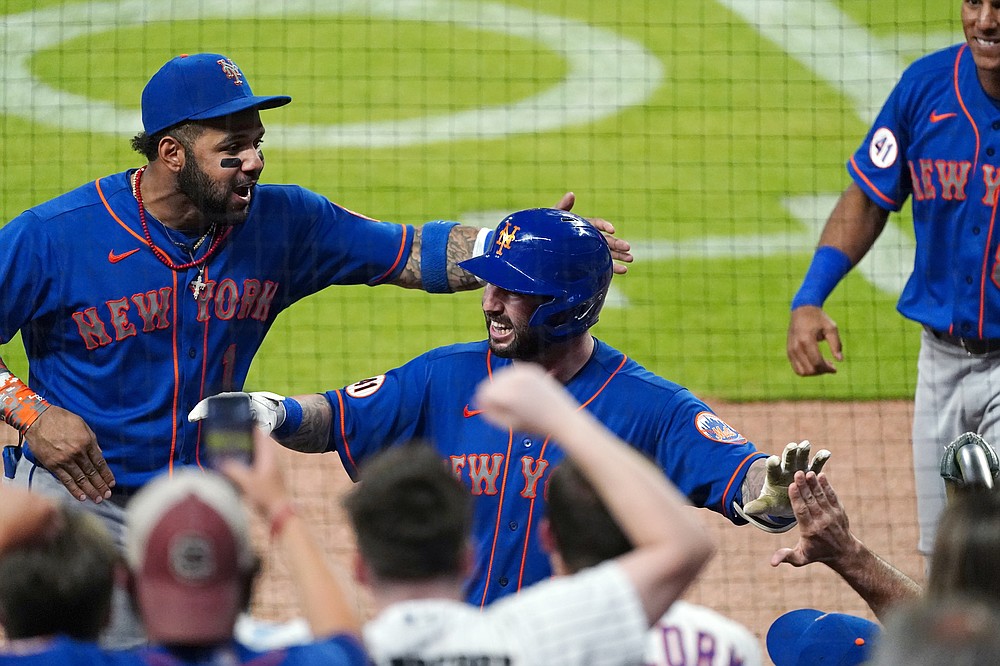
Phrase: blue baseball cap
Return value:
(808, 637)
(199, 87)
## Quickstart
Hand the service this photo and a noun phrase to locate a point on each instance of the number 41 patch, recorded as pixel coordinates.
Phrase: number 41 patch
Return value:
(365, 387)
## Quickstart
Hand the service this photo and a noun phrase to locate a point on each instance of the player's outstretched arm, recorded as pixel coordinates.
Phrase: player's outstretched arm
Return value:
(60, 440)
(825, 536)
(850, 232)
(438, 248)
(306, 429)
(326, 599)
(311, 434)
(671, 545)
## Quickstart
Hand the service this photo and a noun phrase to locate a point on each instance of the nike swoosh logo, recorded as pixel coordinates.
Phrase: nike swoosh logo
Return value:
(935, 116)
(115, 258)
(466, 412)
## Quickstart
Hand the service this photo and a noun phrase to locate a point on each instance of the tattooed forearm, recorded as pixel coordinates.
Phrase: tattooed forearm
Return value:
(411, 277)
(460, 243)
(754, 480)
(313, 435)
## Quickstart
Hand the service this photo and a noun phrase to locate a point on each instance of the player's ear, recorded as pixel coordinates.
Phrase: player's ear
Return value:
(171, 153)
(547, 540)
(468, 562)
(545, 536)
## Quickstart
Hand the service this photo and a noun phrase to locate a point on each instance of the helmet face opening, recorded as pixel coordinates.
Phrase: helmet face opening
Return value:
(549, 252)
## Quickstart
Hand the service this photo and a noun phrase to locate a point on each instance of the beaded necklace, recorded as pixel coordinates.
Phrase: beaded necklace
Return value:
(198, 284)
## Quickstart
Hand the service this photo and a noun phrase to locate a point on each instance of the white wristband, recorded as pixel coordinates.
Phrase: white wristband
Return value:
(480, 245)
(479, 248)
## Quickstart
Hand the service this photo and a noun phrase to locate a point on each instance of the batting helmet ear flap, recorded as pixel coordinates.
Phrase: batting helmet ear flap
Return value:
(550, 252)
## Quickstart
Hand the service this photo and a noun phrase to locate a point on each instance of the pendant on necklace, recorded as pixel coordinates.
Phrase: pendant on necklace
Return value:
(198, 284)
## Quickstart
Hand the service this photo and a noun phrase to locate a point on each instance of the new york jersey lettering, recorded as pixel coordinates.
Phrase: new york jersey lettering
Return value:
(224, 301)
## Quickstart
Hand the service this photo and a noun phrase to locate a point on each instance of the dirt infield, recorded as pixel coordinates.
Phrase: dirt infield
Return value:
(870, 468)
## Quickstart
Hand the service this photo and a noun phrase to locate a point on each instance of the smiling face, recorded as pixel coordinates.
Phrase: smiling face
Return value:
(981, 25)
(223, 194)
(507, 315)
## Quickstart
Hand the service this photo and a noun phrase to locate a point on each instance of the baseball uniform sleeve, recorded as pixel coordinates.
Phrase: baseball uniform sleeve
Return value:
(879, 166)
(920, 130)
(22, 256)
(320, 243)
(375, 413)
(702, 454)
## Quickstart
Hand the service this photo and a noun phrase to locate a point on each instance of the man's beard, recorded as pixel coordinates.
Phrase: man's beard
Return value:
(526, 344)
(211, 198)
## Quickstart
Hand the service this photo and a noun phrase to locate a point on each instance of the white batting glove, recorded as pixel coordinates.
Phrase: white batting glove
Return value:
(265, 407)
(773, 499)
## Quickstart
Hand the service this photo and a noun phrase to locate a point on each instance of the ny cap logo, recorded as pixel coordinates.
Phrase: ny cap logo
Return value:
(505, 238)
(231, 71)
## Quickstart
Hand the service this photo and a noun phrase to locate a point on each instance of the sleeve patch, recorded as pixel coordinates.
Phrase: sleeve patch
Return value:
(884, 148)
(714, 428)
(366, 387)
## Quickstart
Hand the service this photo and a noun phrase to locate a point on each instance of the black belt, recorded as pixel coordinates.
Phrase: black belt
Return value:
(972, 346)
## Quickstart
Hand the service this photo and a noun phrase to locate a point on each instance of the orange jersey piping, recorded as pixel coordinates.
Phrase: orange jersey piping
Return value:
(531, 503)
(399, 257)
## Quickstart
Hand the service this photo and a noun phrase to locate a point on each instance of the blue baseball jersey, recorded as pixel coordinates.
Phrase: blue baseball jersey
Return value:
(935, 141)
(430, 398)
(115, 336)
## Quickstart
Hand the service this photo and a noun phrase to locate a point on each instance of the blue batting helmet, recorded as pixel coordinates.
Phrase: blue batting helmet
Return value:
(549, 252)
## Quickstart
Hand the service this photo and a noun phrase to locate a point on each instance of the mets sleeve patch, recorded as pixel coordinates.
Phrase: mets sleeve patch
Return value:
(714, 428)
(366, 387)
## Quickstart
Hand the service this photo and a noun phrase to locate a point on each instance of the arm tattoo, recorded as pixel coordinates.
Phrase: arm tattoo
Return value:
(412, 276)
(313, 435)
(460, 242)
(753, 482)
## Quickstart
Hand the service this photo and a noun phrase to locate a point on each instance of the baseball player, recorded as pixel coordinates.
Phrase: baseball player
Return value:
(142, 292)
(411, 519)
(932, 143)
(547, 275)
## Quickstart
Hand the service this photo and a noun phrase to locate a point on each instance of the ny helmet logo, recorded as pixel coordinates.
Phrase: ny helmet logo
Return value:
(231, 71)
(505, 238)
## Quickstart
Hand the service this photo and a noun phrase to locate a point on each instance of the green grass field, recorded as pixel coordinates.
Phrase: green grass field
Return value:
(698, 173)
